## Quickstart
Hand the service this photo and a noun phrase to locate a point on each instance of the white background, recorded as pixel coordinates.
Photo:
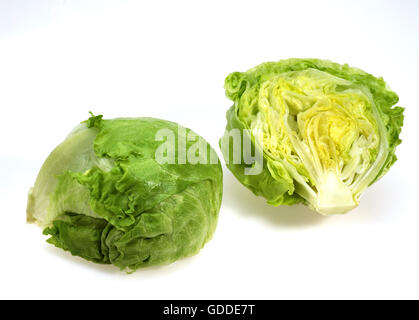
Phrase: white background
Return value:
(168, 59)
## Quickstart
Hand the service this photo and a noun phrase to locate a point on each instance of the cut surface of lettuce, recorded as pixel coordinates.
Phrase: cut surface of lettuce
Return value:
(327, 131)
(103, 196)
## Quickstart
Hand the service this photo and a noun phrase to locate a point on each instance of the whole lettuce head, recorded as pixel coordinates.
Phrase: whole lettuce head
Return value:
(327, 131)
(103, 195)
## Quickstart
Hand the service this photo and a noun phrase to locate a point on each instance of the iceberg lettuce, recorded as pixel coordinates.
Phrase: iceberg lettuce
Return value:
(327, 131)
(103, 195)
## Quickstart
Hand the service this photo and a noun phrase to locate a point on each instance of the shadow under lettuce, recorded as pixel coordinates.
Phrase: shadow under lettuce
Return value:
(245, 203)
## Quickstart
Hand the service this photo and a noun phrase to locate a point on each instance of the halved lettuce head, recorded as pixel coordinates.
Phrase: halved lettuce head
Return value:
(104, 196)
(327, 131)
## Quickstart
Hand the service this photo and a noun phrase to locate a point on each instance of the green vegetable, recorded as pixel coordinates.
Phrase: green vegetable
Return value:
(103, 194)
(326, 131)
